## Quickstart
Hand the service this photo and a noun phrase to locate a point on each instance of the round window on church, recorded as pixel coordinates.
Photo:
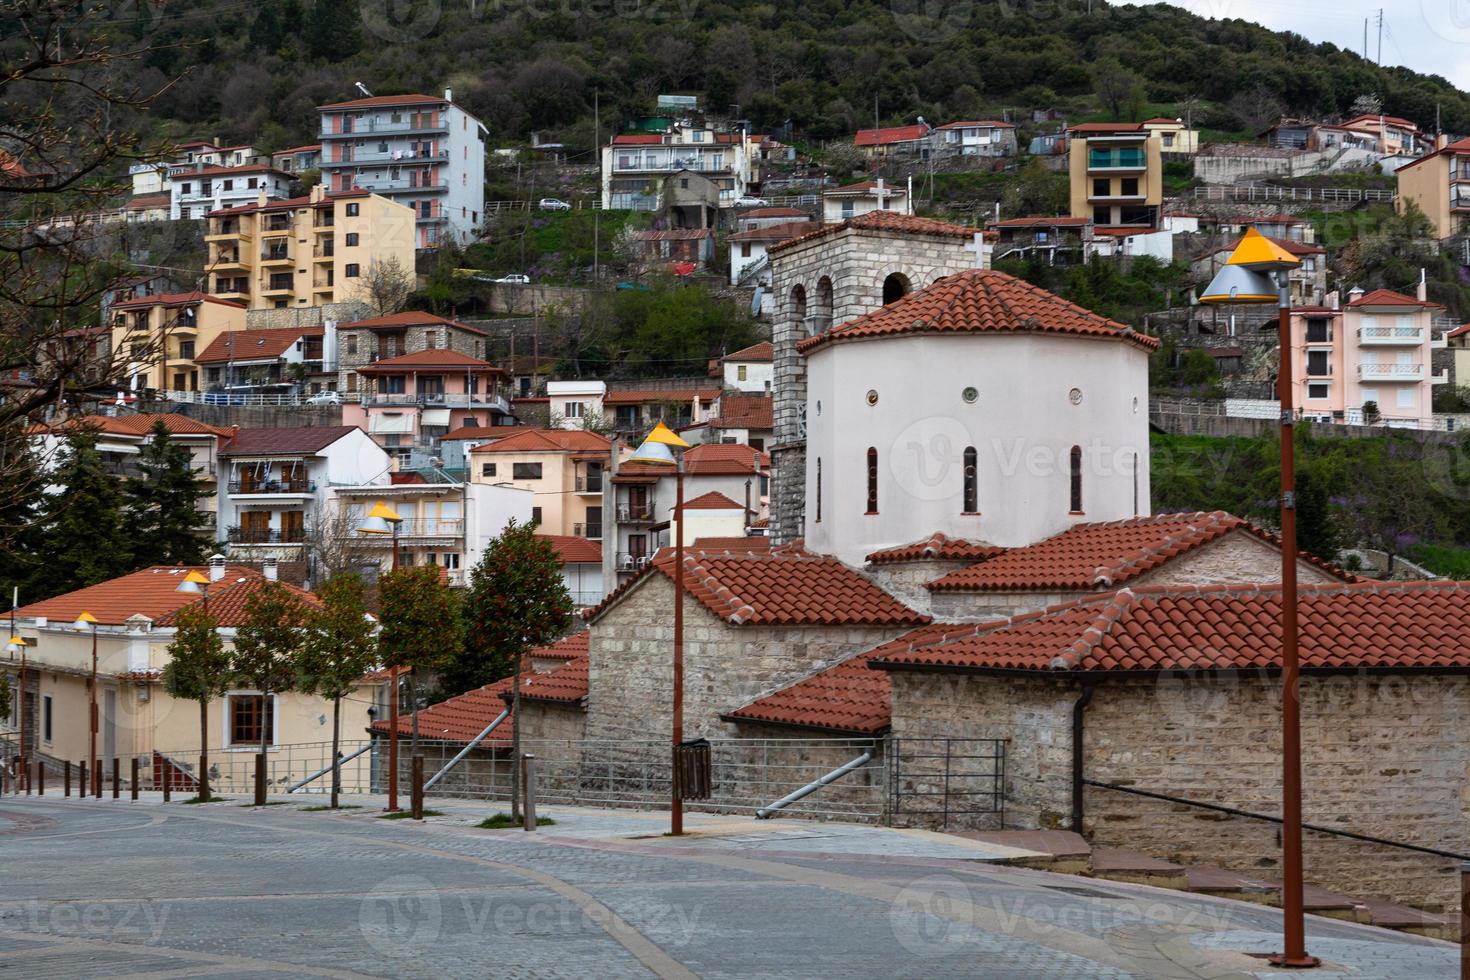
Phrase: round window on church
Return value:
(872, 396)
(1075, 396)
(969, 395)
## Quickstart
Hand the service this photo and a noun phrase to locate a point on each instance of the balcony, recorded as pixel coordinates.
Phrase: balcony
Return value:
(1391, 372)
(226, 232)
(276, 257)
(408, 127)
(403, 158)
(265, 535)
(416, 528)
(639, 513)
(445, 400)
(226, 262)
(589, 483)
(324, 252)
(403, 185)
(263, 488)
(593, 532)
(1116, 161)
(632, 562)
(1391, 336)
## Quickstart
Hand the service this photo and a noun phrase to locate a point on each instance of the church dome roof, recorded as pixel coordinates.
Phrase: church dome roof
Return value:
(979, 301)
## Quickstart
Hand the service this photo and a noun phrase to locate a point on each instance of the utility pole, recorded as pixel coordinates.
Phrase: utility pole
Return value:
(1365, 39)
(1380, 35)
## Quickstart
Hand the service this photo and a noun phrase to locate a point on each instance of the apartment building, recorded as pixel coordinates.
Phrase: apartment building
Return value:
(1174, 136)
(261, 357)
(196, 190)
(363, 342)
(635, 165)
(420, 151)
(151, 176)
(163, 333)
(1117, 175)
(297, 159)
(1373, 354)
(408, 403)
(306, 251)
(633, 411)
(564, 469)
(1439, 185)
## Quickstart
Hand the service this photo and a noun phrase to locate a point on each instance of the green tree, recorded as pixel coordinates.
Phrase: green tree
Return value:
(163, 504)
(198, 670)
(419, 627)
(265, 30)
(267, 654)
(333, 29)
(339, 648)
(84, 532)
(1316, 530)
(1118, 87)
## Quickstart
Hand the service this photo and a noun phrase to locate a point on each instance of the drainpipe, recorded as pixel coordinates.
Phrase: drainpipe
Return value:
(1079, 709)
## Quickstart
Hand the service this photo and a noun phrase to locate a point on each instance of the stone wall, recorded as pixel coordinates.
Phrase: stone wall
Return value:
(415, 339)
(307, 316)
(906, 580)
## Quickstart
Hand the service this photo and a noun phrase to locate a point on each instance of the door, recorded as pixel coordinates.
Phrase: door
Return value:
(293, 525)
(637, 503)
(255, 526)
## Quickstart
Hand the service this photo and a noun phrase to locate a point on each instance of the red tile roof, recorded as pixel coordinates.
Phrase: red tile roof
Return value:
(972, 123)
(1295, 248)
(937, 547)
(732, 546)
(460, 719)
(300, 440)
(173, 300)
(146, 201)
(706, 459)
(141, 424)
(548, 441)
(227, 601)
(889, 134)
(566, 684)
(745, 412)
(480, 433)
(1103, 556)
(381, 100)
(979, 301)
(651, 395)
(567, 648)
(1387, 297)
(438, 357)
(782, 587)
(408, 318)
(773, 233)
(714, 500)
(253, 345)
(150, 592)
(1363, 626)
(1105, 127)
(1373, 117)
(883, 222)
(637, 139)
(1042, 221)
(763, 351)
(299, 149)
(249, 168)
(572, 549)
(1459, 331)
(773, 213)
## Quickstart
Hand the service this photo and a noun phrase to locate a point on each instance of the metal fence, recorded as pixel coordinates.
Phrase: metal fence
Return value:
(1267, 192)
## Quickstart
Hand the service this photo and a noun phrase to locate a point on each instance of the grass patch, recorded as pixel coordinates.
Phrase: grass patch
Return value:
(212, 799)
(504, 821)
(324, 806)
(266, 803)
(1447, 560)
(408, 815)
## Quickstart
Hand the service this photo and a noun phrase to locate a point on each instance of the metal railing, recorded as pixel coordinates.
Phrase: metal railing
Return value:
(592, 532)
(1267, 192)
(267, 535)
(452, 399)
(1399, 371)
(1414, 334)
(636, 513)
(589, 484)
(419, 527)
(271, 486)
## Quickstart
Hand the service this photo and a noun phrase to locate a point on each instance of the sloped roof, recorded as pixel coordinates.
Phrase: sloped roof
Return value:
(481, 432)
(745, 412)
(972, 123)
(438, 357)
(1361, 626)
(383, 100)
(883, 222)
(773, 213)
(1043, 221)
(572, 549)
(936, 547)
(1459, 331)
(566, 648)
(296, 440)
(763, 351)
(889, 134)
(651, 395)
(144, 202)
(141, 424)
(1387, 297)
(548, 441)
(250, 345)
(714, 500)
(460, 719)
(782, 587)
(249, 168)
(748, 544)
(979, 301)
(173, 300)
(1100, 128)
(637, 139)
(1104, 555)
(150, 592)
(706, 459)
(773, 233)
(408, 318)
(566, 684)
(227, 603)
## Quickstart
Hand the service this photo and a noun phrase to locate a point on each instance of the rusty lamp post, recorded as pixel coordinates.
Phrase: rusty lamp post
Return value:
(383, 519)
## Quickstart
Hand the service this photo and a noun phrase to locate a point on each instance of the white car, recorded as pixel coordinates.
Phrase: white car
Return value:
(553, 204)
(325, 398)
(514, 279)
(751, 202)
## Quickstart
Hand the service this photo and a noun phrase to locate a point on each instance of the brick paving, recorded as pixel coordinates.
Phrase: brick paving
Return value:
(103, 888)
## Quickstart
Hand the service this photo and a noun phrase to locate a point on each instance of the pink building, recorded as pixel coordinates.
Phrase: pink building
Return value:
(1377, 349)
(410, 401)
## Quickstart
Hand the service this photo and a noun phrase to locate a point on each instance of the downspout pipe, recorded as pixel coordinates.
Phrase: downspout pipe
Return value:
(466, 750)
(767, 812)
(1079, 710)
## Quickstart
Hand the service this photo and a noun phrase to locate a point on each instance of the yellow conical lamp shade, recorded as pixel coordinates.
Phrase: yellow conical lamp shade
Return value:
(662, 433)
(656, 453)
(1256, 251)
(380, 520)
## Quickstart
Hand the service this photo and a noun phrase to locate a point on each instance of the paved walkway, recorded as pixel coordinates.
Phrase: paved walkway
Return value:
(116, 888)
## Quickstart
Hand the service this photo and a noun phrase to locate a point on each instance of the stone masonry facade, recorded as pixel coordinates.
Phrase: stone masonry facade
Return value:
(415, 339)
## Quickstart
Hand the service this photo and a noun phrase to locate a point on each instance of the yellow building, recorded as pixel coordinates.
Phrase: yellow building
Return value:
(1117, 172)
(1440, 185)
(136, 717)
(160, 336)
(306, 251)
(564, 468)
(1173, 136)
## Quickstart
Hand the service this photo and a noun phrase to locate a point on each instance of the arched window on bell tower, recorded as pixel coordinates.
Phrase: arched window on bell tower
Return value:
(971, 478)
(1076, 479)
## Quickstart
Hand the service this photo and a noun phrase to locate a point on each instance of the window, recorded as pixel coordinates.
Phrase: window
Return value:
(535, 515)
(352, 345)
(1130, 186)
(819, 490)
(46, 718)
(1319, 331)
(1408, 397)
(1317, 391)
(1102, 216)
(1317, 365)
(487, 469)
(352, 209)
(253, 183)
(741, 372)
(247, 716)
(745, 250)
(186, 350)
(351, 271)
(1076, 479)
(573, 410)
(186, 188)
(971, 502)
(1102, 187)
(351, 238)
(872, 480)
(684, 183)
(1168, 138)
(525, 471)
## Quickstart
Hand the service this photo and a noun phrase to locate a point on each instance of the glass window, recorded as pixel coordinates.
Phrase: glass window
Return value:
(872, 480)
(352, 209)
(1076, 479)
(970, 481)
(249, 714)
(525, 471)
(487, 469)
(351, 238)
(351, 271)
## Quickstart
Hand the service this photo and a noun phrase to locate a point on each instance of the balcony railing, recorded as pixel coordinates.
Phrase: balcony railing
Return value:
(371, 126)
(271, 486)
(631, 562)
(453, 399)
(636, 513)
(275, 256)
(266, 535)
(402, 157)
(421, 527)
(592, 532)
(402, 184)
(589, 484)
(1390, 372)
(1390, 336)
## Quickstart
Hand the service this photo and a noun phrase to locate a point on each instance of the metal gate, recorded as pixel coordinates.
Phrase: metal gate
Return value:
(947, 783)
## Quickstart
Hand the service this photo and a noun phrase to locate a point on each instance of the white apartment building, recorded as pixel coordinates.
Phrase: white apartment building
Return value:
(635, 165)
(418, 150)
(196, 189)
(151, 176)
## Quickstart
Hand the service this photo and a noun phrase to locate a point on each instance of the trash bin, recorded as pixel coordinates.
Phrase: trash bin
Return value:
(692, 769)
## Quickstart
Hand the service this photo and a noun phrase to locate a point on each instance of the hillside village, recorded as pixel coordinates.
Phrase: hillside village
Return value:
(941, 434)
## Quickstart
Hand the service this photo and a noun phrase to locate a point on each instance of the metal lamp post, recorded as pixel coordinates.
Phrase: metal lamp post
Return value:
(383, 519)
(86, 621)
(196, 583)
(16, 645)
(1258, 272)
(662, 447)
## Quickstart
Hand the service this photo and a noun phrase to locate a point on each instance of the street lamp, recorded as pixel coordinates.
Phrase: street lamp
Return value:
(86, 621)
(16, 645)
(195, 583)
(659, 449)
(1259, 271)
(383, 519)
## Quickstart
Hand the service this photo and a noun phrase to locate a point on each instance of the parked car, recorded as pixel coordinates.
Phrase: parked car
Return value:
(751, 202)
(553, 204)
(514, 279)
(325, 398)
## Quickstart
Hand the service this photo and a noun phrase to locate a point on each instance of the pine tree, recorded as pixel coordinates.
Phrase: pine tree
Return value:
(268, 647)
(163, 504)
(332, 29)
(198, 669)
(84, 533)
(265, 30)
(340, 647)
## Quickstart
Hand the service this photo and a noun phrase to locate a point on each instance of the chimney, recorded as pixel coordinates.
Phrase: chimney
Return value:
(1422, 290)
(216, 567)
(318, 191)
(270, 570)
(260, 198)
(449, 95)
(1441, 141)
(1355, 294)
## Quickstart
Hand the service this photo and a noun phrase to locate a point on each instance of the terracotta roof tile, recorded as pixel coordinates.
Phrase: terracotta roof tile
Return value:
(297, 440)
(382, 100)
(409, 318)
(548, 441)
(150, 592)
(173, 300)
(706, 459)
(763, 351)
(567, 648)
(1347, 626)
(1043, 221)
(566, 684)
(438, 357)
(1459, 331)
(651, 395)
(480, 433)
(883, 222)
(890, 134)
(972, 123)
(781, 587)
(253, 345)
(1106, 127)
(227, 601)
(773, 213)
(745, 412)
(748, 545)
(460, 719)
(937, 547)
(980, 300)
(1092, 556)
(714, 500)
(572, 549)
(1387, 297)
(637, 139)
(772, 233)
(141, 424)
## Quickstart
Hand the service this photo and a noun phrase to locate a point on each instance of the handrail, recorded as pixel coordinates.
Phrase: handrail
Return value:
(1234, 812)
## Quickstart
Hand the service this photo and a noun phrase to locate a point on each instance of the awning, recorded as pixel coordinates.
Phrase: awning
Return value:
(391, 423)
(434, 416)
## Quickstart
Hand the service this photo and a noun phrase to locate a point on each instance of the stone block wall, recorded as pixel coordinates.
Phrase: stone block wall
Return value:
(906, 580)
(415, 339)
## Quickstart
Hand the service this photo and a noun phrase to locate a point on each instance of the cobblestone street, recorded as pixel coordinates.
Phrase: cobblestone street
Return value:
(106, 888)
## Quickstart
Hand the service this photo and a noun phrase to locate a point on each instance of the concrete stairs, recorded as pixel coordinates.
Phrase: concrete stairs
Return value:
(1068, 853)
